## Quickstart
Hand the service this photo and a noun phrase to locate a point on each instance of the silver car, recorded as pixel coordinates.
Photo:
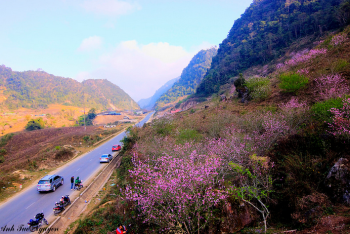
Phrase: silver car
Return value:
(50, 183)
(106, 158)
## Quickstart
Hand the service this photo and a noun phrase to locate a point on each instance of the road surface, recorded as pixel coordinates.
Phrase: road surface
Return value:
(19, 210)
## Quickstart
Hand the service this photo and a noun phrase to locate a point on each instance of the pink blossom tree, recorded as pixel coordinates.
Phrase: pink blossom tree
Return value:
(331, 86)
(338, 39)
(340, 125)
(177, 193)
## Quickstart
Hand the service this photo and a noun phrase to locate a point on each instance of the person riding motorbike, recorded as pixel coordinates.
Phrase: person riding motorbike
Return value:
(77, 182)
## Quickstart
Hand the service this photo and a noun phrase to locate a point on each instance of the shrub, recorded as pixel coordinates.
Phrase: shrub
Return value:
(340, 64)
(321, 110)
(163, 126)
(240, 81)
(64, 154)
(3, 151)
(2, 159)
(86, 138)
(57, 147)
(259, 87)
(188, 135)
(6, 138)
(35, 124)
(292, 82)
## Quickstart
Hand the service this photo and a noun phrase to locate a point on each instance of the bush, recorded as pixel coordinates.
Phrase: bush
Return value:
(35, 124)
(64, 154)
(292, 82)
(240, 81)
(2, 159)
(6, 138)
(188, 135)
(259, 87)
(163, 126)
(3, 151)
(340, 64)
(320, 111)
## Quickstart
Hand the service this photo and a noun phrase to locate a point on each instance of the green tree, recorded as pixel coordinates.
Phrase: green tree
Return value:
(35, 124)
(92, 113)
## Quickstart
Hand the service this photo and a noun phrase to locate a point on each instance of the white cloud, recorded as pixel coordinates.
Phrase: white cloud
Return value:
(110, 7)
(89, 44)
(141, 69)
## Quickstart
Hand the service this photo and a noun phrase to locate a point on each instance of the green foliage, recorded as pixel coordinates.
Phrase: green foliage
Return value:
(88, 118)
(240, 81)
(2, 158)
(92, 114)
(187, 135)
(292, 82)
(320, 110)
(190, 78)
(3, 151)
(163, 126)
(265, 31)
(340, 64)
(259, 87)
(192, 111)
(35, 124)
(57, 147)
(5, 139)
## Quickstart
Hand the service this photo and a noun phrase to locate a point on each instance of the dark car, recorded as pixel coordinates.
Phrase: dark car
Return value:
(50, 183)
(116, 147)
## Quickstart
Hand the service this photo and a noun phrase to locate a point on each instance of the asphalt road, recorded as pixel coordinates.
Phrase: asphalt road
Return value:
(19, 210)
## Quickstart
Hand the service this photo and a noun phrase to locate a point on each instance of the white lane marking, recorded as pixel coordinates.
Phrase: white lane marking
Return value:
(78, 169)
(30, 205)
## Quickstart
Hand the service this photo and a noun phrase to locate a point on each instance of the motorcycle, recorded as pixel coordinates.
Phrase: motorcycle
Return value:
(78, 186)
(58, 208)
(66, 201)
(37, 223)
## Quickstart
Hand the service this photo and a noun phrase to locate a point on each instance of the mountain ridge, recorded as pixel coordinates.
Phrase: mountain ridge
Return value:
(37, 89)
(149, 103)
(190, 77)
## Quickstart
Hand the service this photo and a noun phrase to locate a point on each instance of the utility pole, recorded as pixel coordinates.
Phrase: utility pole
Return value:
(84, 105)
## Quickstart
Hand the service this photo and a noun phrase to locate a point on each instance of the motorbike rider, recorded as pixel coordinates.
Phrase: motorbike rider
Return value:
(121, 229)
(77, 182)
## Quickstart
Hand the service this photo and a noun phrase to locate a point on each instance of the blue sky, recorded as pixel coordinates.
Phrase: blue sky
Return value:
(138, 45)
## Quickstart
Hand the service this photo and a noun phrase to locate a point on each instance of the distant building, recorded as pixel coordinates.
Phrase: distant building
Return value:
(139, 112)
(175, 111)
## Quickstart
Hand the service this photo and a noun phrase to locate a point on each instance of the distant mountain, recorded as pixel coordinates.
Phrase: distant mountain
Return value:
(150, 102)
(37, 89)
(266, 30)
(190, 78)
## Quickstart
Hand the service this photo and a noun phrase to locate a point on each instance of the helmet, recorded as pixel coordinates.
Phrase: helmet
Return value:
(31, 220)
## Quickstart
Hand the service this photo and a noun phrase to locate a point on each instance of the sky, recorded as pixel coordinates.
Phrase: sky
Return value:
(138, 45)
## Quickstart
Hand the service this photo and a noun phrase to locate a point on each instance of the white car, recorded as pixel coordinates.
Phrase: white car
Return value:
(106, 158)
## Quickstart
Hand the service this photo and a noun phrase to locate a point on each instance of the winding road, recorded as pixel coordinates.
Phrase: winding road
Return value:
(19, 210)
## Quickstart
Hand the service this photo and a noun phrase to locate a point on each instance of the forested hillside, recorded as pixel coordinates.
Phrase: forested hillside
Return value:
(266, 29)
(37, 89)
(150, 102)
(190, 78)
